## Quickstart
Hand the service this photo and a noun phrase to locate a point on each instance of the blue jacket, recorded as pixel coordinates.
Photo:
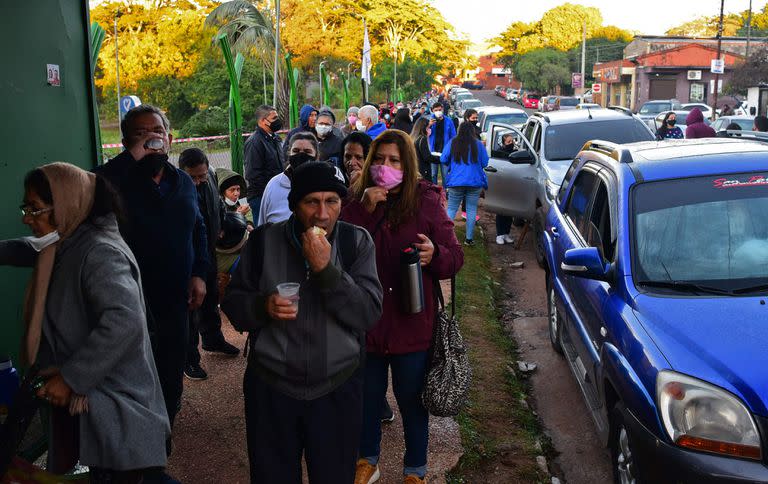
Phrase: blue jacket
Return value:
(449, 132)
(376, 130)
(304, 113)
(465, 174)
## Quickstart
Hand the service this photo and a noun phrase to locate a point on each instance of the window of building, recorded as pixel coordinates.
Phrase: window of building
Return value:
(698, 92)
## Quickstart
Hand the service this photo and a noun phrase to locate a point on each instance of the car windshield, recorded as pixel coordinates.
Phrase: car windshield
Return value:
(709, 230)
(506, 118)
(563, 142)
(568, 101)
(472, 103)
(655, 108)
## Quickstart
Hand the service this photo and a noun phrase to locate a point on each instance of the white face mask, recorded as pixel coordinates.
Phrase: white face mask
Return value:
(40, 243)
(359, 125)
(438, 114)
(323, 130)
(229, 202)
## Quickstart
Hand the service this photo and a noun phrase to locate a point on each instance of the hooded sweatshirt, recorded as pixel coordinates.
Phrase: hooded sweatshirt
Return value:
(696, 127)
(304, 113)
(330, 146)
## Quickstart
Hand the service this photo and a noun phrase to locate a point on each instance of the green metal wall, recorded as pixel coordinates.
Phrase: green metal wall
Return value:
(39, 123)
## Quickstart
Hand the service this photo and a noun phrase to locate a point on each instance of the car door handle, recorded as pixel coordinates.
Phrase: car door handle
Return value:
(490, 169)
(555, 233)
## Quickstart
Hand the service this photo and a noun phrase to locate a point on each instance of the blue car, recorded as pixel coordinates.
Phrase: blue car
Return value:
(657, 284)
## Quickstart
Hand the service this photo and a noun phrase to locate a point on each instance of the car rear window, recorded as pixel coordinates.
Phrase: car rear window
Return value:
(568, 101)
(533, 96)
(507, 118)
(655, 108)
(563, 142)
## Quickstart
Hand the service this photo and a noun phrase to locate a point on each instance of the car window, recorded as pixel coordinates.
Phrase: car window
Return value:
(537, 140)
(563, 142)
(598, 231)
(506, 118)
(717, 125)
(655, 108)
(499, 132)
(567, 180)
(568, 101)
(578, 202)
(528, 133)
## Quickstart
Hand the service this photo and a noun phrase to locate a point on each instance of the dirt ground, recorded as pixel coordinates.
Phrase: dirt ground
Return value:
(209, 434)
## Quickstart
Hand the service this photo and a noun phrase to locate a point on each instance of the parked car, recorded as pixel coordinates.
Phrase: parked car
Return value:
(649, 110)
(465, 104)
(474, 85)
(501, 115)
(512, 94)
(499, 90)
(705, 109)
(455, 92)
(531, 101)
(564, 103)
(461, 97)
(657, 258)
(679, 120)
(547, 104)
(525, 189)
(745, 122)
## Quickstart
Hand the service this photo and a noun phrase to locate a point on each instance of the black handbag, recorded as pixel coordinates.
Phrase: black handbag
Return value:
(449, 375)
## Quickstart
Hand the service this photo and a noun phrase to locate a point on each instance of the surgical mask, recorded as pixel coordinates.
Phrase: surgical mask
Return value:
(386, 116)
(352, 120)
(40, 243)
(323, 130)
(359, 125)
(229, 202)
(386, 176)
(438, 114)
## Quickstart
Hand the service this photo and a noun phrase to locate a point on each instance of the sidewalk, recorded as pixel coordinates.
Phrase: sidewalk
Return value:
(209, 434)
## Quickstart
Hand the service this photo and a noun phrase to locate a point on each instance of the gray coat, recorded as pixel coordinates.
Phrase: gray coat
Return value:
(95, 331)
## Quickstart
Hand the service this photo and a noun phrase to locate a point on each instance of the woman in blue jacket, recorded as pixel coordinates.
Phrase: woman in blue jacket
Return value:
(466, 157)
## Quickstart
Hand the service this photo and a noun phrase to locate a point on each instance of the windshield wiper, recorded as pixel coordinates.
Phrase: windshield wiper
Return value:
(749, 289)
(686, 287)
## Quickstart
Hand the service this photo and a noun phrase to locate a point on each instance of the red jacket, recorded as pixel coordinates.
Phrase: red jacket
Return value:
(398, 332)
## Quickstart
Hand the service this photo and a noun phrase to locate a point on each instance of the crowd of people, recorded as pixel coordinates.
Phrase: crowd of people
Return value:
(135, 262)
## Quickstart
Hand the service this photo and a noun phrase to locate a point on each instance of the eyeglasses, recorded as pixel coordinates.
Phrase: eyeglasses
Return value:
(26, 210)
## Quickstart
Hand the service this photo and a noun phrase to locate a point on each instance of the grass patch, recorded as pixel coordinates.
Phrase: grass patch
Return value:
(499, 432)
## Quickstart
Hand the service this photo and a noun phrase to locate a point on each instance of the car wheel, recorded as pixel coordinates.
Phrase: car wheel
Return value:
(554, 320)
(538, 244)
(621, 446)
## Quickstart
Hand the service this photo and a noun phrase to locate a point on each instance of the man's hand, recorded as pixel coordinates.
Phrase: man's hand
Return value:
(55, 389)
(426, 249)
(281, 309)
(138, 151)
(196, 292)
(317, 250)
(372, 196)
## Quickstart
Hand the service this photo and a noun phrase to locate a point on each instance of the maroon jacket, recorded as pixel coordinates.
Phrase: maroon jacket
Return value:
(398, 332)
(696, 127)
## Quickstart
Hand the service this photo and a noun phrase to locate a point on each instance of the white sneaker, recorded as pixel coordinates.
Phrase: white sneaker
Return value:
(508, 239)
(500, 239)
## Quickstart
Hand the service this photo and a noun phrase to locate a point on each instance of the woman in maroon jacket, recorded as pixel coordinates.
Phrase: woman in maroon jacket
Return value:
(399, 210)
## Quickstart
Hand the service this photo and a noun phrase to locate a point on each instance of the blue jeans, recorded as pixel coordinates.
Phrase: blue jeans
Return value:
(469, 194)
(408, 371)
(435, 168)
(255, 204)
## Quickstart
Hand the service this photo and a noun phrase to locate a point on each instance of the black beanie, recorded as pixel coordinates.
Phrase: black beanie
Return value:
(315, 176)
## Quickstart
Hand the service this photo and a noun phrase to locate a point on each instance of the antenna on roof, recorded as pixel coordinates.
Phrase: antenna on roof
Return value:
(589, 112)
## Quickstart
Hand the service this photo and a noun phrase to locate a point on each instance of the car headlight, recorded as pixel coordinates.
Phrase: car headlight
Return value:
(701, 416)
(552, 190)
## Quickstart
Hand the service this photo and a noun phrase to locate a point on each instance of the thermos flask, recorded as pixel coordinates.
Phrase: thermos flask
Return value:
(412, 285)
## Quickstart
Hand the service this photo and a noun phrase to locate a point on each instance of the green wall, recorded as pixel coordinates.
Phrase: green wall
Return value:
(39, 123)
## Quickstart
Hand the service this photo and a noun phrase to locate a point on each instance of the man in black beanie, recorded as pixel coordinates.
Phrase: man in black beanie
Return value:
(303, 384)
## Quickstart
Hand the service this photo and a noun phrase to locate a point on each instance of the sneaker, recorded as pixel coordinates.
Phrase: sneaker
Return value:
(365, 473)
(414, 479)
(500, 240)
(508, 239)
(469, 243)
(194, 371)
(387, 415)
(222, 347)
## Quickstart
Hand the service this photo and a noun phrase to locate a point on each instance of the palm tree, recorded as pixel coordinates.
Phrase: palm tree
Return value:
(251, 32)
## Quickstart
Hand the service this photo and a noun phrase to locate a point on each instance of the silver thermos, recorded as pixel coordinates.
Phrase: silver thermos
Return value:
(412, 284)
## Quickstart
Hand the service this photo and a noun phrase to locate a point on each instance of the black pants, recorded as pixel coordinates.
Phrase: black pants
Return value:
(279, 429)
(205, 322)
(170, 351)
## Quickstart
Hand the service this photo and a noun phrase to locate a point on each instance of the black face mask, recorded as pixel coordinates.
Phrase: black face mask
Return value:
(295, 161)
(151, 164)
(671, 122)
(276, 125)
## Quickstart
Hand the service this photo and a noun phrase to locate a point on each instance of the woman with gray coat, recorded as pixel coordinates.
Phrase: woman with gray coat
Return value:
(86, 326)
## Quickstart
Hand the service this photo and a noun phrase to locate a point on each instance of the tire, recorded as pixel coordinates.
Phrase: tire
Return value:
(538, 245)
(554, 321)
(620, 444)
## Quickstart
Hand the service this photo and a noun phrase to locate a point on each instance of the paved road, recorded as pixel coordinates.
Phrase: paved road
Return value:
(489, 98)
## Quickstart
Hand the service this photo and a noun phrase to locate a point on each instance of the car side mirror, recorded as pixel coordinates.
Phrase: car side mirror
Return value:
(521, 157)
(586, 263)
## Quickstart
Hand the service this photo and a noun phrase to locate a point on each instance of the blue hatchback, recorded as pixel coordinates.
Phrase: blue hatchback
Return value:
(657, 284)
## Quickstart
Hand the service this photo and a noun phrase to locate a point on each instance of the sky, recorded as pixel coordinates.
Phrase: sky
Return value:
(484, 19)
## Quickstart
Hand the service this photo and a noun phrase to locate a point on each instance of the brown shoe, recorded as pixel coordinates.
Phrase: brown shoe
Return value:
(365, 473)
(414, 479)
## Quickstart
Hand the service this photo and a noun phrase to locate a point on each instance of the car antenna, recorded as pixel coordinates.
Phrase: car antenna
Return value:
(589, 112)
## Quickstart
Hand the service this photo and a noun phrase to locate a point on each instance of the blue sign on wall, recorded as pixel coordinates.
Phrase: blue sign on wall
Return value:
(127, 103)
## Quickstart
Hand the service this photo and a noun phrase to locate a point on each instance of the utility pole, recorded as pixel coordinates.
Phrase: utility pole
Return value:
(583, 56)
(277, 52)
(719, 50)
(117, 71)
(749, 27)
(320, 78)
(394, 89)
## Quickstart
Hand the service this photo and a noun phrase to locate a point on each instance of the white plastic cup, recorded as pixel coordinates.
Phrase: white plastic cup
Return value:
(290, 291)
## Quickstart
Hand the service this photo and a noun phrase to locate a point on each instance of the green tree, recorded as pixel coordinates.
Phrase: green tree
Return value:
(706, 26)
(543, 69)
(750, 73)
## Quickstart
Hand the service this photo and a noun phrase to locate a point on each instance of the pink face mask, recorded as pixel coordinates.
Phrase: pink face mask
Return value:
(386, 176)
(352, 120)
